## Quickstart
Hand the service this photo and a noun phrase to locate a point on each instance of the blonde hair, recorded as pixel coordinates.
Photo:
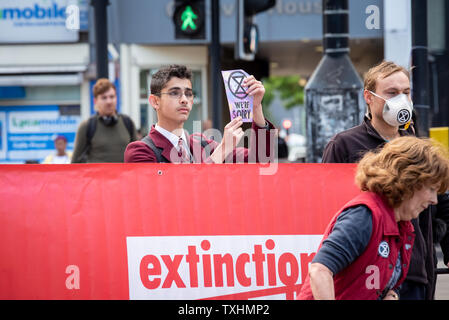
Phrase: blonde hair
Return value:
(382, 70)
(404, 165)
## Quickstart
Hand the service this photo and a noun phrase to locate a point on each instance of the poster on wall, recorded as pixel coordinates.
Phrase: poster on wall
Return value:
(27, 132)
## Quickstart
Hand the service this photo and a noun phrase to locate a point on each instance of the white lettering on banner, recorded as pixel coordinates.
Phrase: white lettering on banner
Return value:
(73, 280)
(199, 267)
(373, 280)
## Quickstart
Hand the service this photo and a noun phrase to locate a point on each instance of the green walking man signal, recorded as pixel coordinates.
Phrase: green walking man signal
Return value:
(188, 19)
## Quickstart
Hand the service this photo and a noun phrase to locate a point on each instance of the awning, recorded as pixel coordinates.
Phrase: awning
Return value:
(41, 80)
(42, 69)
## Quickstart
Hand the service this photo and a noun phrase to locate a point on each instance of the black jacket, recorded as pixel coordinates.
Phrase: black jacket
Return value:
(349, 147)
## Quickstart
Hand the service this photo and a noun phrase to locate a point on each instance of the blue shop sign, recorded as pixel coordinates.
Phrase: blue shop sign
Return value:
(27, 132)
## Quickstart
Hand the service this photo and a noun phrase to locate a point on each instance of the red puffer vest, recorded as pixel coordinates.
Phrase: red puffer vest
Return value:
(368, 275)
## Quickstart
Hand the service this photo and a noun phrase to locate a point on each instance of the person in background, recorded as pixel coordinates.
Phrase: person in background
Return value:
(60, 156)
(104, 136)
(366, 249)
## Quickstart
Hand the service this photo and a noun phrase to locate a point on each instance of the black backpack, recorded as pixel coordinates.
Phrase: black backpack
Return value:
(92, 127)
(158, 151)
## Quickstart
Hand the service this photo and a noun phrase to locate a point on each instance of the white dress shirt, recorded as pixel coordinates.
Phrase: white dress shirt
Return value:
(173, 138)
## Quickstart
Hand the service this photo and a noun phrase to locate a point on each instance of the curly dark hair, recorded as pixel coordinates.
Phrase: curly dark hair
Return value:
(160, 78)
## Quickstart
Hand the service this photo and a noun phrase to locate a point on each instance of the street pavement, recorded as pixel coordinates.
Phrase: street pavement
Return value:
(442, 290)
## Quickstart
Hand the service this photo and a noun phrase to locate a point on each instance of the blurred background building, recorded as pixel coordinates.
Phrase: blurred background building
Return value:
(47, 68)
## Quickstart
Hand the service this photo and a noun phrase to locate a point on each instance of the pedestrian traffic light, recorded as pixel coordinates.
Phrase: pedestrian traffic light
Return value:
(188, 18)
(247, 38)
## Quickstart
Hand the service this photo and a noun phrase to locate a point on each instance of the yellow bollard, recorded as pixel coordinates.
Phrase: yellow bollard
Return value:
(440, 134)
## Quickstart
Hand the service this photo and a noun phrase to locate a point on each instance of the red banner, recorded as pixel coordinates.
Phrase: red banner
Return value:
(163, 231)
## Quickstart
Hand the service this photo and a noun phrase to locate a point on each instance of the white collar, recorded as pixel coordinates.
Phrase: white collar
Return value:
(173, 138)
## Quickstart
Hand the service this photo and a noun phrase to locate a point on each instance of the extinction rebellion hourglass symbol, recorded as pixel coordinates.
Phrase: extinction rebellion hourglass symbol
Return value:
(403, 116)
(235, 82)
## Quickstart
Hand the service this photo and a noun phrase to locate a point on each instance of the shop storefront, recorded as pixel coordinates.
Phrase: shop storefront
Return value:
(43, 90)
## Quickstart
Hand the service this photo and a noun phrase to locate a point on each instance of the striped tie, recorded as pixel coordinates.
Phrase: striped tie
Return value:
(182, 153)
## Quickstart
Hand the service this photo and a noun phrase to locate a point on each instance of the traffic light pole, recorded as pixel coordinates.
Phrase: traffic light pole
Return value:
(101, 37)
(247, 32)
(215, 65)
(421, 64)
(333, 93)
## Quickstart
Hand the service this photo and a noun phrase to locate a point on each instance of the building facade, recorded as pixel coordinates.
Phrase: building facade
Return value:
(43, 86)
(56, 75)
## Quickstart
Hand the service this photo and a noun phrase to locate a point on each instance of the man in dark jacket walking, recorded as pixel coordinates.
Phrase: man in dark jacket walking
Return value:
(387, 94)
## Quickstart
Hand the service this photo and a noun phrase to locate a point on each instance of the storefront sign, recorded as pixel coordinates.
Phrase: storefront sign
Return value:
(24, 21)
(27, 132)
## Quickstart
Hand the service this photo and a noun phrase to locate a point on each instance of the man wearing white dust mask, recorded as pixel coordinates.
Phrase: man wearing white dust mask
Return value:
(389, 115)
(397, 110)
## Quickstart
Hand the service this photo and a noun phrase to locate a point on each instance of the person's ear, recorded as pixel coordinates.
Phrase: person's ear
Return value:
(154, 101)
(368, 97)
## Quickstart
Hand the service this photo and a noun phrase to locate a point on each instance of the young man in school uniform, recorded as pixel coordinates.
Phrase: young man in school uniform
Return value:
(172, 98)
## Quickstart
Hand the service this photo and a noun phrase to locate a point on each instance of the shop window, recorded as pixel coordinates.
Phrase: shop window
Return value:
(70, 110)
(53, 93)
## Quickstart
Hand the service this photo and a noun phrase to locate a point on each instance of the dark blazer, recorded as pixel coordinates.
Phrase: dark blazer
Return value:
(138, 151)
